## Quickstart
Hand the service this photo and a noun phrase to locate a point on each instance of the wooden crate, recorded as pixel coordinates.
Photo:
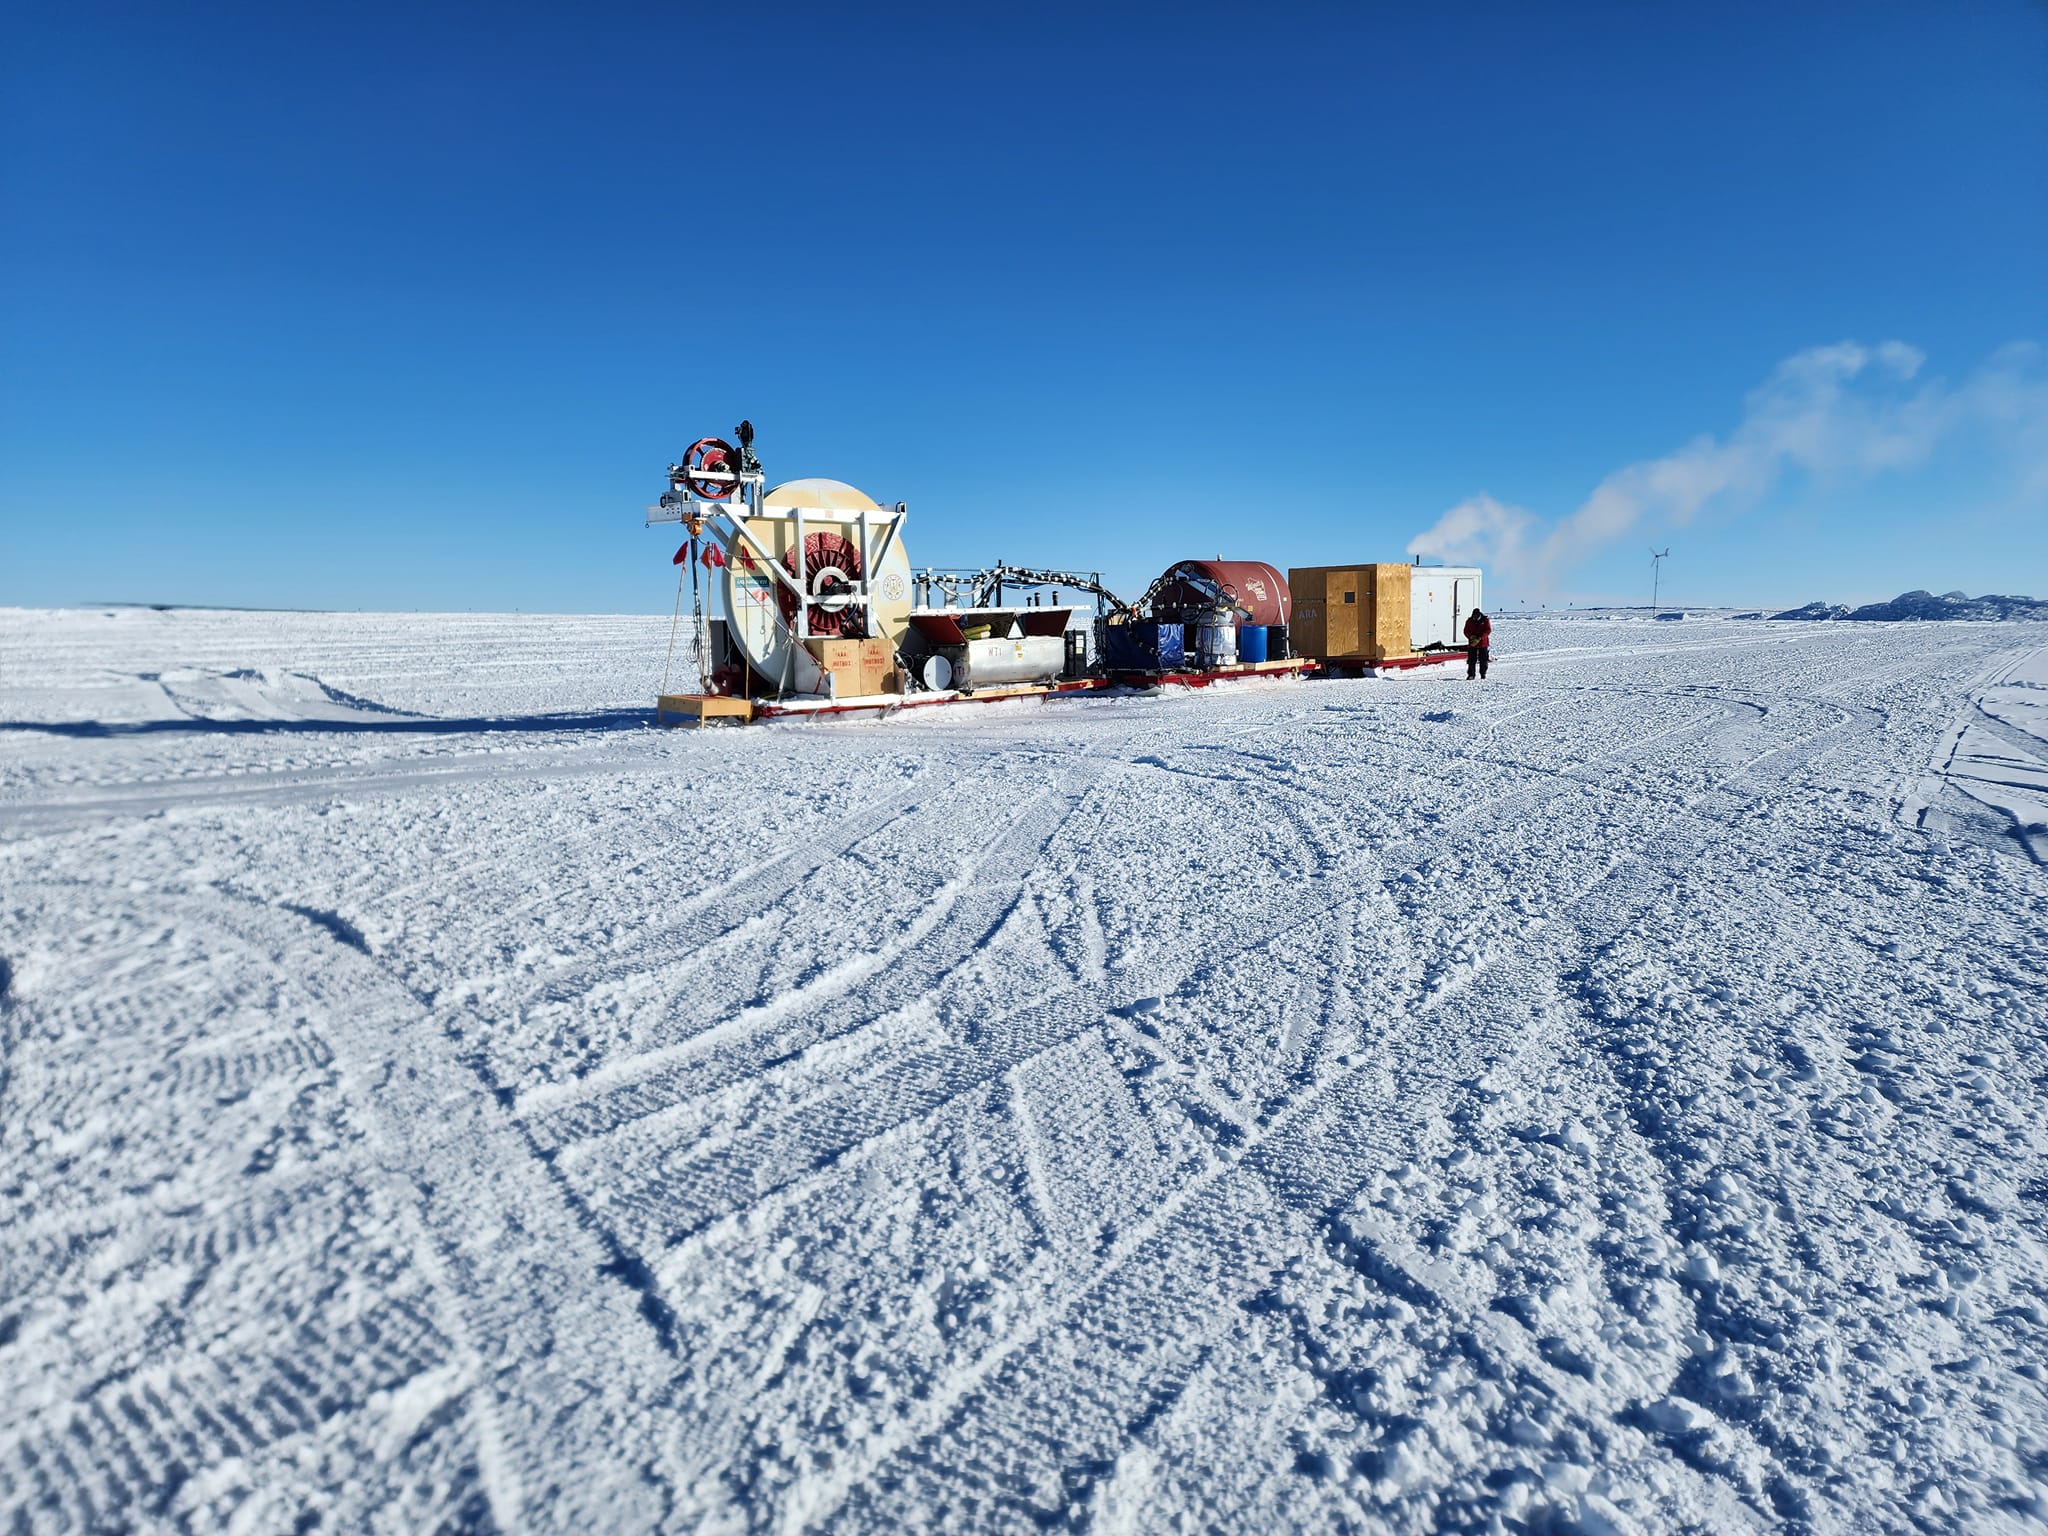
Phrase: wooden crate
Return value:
(696, 708)
(1349, 612)
(859, 669)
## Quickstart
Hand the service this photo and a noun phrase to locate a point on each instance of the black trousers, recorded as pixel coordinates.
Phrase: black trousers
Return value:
(1475, 660)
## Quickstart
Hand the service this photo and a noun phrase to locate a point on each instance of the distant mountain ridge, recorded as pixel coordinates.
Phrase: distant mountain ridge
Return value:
(1925, 605)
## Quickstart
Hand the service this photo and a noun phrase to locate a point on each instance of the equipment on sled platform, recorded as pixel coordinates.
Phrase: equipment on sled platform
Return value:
(972, 648)
(1251, 590)
(1205, 620)
(803, 601)
(968, 632)
(795, 571)
(1355, 614)
(1377, 614)
(1144, 645)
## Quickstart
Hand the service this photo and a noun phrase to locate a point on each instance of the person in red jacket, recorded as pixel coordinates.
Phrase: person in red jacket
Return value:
(1478, 642)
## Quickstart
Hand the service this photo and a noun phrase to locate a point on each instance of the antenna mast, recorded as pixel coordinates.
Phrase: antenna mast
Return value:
(1657, 558)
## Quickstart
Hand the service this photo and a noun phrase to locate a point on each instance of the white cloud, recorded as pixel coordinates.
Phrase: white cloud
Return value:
(1830, 412)
(1478, 531)
(2009, 395)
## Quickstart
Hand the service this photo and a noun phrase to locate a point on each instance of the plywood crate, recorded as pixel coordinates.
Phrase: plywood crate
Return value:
(1349, 612)
(701, 707)
(859, 669)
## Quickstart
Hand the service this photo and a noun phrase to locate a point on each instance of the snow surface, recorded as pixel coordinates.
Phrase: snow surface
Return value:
(1605, 1098)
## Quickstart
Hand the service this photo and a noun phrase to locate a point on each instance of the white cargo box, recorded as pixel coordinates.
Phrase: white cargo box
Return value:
(1440, 598)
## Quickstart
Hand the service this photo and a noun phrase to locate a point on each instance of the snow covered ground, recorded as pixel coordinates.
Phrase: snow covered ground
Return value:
(1611, 1097)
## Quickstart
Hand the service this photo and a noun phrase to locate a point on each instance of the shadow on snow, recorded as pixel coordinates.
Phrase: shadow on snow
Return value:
(415, 725)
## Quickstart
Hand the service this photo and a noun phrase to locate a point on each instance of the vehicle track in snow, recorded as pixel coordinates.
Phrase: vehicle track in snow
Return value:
(1366, 1128)
(1046, 1022)
(1341, 1119)
(815, 1055)
(479, 1208)
(728, 907)
(1121, 1087)
(1062, 1039)
(1321, 1135)
(747, 1029)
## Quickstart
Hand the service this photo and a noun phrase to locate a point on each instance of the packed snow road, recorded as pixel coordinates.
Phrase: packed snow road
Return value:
(1613, 1096)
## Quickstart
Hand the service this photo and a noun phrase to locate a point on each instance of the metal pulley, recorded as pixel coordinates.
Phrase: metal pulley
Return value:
(708, 456)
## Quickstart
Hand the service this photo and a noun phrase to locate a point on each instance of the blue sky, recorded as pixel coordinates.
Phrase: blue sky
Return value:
(378, 307)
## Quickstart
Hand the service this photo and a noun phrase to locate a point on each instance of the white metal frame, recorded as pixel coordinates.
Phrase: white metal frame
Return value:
(878, 534)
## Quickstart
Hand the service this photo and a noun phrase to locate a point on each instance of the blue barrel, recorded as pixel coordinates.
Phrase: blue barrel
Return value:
(1251, 642)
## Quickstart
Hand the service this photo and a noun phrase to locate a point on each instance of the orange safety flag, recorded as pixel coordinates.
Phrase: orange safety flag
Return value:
(682, 554)
(714, 557)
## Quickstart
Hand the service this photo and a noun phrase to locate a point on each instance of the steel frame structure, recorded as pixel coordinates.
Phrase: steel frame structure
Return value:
(678, 505)
(984, 588)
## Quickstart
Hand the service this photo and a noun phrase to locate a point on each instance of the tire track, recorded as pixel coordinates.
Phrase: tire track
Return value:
(1175, 1247)
(1298, 1156)
(847, 1131)
(1340, 1122)
(747, 1044)
(749, 891)
(481, 1219)
(799, 1046)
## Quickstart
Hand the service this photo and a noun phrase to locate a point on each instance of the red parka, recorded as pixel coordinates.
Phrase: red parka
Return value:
(1479, 630)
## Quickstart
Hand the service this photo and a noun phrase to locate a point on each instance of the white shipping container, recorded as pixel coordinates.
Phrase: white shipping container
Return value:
(1440, 598)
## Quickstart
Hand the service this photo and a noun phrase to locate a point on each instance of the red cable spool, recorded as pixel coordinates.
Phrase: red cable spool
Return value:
(710, 453)
(831, 562)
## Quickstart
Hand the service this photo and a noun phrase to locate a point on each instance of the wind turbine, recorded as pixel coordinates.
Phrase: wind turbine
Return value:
(1657, 558)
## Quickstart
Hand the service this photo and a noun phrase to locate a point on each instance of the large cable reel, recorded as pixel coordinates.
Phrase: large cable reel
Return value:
(830, 571)
(761, 611)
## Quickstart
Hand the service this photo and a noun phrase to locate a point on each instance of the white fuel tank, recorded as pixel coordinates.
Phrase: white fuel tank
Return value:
(993, 663)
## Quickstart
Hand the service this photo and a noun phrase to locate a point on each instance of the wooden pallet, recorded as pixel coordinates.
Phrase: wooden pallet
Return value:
(697, 708)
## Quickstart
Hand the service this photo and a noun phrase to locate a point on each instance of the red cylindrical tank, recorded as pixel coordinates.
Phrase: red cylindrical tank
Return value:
(1254, 588)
